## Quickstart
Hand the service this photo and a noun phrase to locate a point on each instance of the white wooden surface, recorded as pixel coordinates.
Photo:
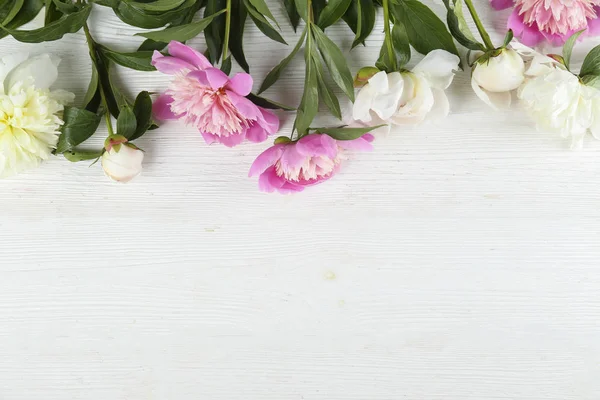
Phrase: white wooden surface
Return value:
(460, 260)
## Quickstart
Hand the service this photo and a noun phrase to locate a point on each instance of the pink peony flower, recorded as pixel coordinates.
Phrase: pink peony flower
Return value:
(206, 98)
(290, 167)
(552, 20)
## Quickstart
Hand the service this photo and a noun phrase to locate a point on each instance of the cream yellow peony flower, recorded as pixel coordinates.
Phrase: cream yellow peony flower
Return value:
(30, 113)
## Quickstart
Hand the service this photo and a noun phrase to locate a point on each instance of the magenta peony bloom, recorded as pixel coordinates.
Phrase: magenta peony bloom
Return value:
(290, 167)
(205, 97)
(553, 20)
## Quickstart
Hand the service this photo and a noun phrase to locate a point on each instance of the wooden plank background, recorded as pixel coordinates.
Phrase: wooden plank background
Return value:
(459, 260)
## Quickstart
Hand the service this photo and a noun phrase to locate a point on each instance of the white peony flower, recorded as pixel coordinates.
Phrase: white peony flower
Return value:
(407, 97)
(30, 114)
(122, 162)
(559, 102)
(494, 78)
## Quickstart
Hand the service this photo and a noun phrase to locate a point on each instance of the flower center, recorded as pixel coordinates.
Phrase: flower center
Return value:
(207, 109)
(558, 16)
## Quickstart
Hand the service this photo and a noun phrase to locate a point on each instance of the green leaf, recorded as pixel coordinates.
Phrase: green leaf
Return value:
(272, 76)
(262, 24)
(385, 62)
(269, 104)
(157, 6)
(142, 109)
(290, 8)
(425, 30)
(236, 34)
(309, 106)
(366, 21)
(82, 155)
(591, 63)
(326, 93)
(126, 122)
(92, 98)
(139, 60)
(458, 26)
(181, 33)
(65, 6)
(508, 38)
(363, 75)
(70, 23)
(401, 43)
(335, 61)
(79, 125)
(302, 9)
(52, 12)
(592, 80)
(215, 31)
(226, 65)
(10, 11)
(143, 19)
(344, 133)
(568, 47)
(28, 12)
(262, 8)
(332, 13)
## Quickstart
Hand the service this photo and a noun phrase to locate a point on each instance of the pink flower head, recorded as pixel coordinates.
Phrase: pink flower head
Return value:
(552, 20)
(205, 97)
(290, 167)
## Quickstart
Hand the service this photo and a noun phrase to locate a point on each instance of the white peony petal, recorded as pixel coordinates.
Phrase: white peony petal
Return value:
(496, 100)
(362, 104)
(441, 105)
(8, 63)
(379, 82)
(42, 68)
(438, 66)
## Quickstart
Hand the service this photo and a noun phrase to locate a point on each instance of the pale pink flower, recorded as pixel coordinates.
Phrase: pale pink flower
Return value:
(290, 167)
(553, 20)
(206, 98)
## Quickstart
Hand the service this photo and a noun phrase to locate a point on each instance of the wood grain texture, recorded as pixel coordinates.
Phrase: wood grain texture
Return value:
(460, 260)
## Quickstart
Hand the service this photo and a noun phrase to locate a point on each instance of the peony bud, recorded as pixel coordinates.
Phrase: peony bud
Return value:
(122, 162)
(502, 73)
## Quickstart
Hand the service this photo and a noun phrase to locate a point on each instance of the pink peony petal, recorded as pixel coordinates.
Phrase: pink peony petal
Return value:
(269, 182)
(209, 138)
(241, 83)
(256, 133)
(594, 24)
(529, 35)
(291, 158)
(161, 108)
(266, 159)
(232, 140)
(170, 65)
(502, 4)
(245, 107)
(363, 143)
(212, 77)
(317, 145)
(268, 121)
(186, 53)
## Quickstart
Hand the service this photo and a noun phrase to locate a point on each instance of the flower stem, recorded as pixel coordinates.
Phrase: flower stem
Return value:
(227, 29)
(91, 46)
(388, 34)
(482, 32)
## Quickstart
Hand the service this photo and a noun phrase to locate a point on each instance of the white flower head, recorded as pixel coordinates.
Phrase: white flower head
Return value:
(494, 77)
(122, 161)
(559, 102)
(30, 114)
(408, 97)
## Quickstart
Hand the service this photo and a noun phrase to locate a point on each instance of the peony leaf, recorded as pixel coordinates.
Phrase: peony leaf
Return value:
(269, 104)
(10, 10)
(345, 133)
(215, 31)
(79, 125)
(458, 25)
(181, 33)
(144, 19)
(309, 106)
(262, 8)
(365, 17)
(425, 30)
(262, 24)
(334, 10)
(568, 48)
(126, 122)
(329, 98)
(236, 34)
(83, 155)
(70, 23)
(302, 9)
(272, 76)
(157, 6)
(591, 63)
(139, 60)
(142, 109)
(290, 8)
(401, 43)
(27, 13)
(335, 61)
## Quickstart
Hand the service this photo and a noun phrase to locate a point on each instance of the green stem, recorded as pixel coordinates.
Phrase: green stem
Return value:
(227, 29)
(482, 32)
(90, 42)
(388, 34)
